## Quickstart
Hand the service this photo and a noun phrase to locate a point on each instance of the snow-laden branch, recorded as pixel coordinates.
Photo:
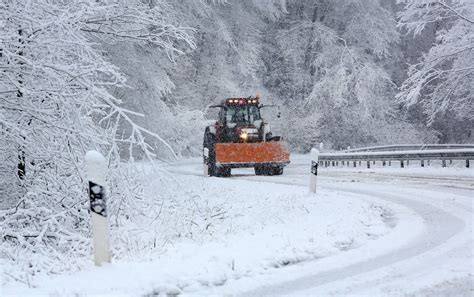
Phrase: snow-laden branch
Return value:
(442, 81)
(456, 12)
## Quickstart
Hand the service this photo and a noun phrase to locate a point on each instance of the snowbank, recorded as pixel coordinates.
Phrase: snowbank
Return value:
(222, 229)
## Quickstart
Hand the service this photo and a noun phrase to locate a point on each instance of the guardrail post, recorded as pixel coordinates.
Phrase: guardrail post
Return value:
(96, 166)
(402, 165)
(443, 162)
(383, 163)
(450, 162)
(314, 170)
(360, 163)
(356, 163)
(390, 163)
(368, 164)
(408, 162)
(467, 163)
(422, 163)
(428, 162)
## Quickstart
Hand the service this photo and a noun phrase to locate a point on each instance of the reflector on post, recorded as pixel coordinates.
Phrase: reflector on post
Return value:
(314, 169)
(96, 166)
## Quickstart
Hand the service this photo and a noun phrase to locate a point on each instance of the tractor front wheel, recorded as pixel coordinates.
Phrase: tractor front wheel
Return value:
(259, 170)
(268, 170)
(277, 170)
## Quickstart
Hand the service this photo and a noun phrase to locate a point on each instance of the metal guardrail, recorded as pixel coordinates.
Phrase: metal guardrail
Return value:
(333, 159)
(399, 147)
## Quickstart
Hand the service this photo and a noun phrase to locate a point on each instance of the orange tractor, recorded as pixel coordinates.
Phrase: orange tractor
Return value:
(241, 138)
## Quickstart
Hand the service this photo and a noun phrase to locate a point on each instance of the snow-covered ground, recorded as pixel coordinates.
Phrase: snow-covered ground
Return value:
(367, 231)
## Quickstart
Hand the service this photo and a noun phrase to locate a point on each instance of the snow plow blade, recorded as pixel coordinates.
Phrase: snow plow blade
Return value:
(250, 154)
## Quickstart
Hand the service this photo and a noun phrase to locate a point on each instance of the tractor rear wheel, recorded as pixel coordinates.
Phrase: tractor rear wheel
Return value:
(223, 172)
(210, 159)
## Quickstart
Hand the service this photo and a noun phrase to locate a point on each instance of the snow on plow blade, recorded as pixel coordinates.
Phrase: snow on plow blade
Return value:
(249, 154)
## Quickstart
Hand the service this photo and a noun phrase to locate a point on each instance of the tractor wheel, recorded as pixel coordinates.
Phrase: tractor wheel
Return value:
(259, 170)
(223, 172)
(210, 160)
(263, 170)
(277, 171)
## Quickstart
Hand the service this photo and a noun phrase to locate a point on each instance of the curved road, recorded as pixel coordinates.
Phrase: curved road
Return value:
(437, 260)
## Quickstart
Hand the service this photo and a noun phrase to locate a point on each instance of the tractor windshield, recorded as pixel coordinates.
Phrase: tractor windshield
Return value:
(246, 114)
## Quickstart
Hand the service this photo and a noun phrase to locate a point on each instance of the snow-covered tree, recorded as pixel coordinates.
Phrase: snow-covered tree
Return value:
(442, 81)
(55, 104)
(226, 62)
(336, 82)
(318, 59)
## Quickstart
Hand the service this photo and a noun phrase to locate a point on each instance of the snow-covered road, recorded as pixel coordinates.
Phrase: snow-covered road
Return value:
(436, 260)
(378, 231)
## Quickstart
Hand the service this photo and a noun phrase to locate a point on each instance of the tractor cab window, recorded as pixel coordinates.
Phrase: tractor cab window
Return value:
(246, 114)
(222, 116)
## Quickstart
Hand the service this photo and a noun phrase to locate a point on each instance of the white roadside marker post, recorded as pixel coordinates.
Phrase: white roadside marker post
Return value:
(314, 170)
(96, 171)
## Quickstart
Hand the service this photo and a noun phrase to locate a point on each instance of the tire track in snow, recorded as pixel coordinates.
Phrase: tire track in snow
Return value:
(436, 232)
(440, 227)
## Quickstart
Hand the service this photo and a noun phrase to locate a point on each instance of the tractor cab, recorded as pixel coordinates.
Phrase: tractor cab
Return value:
(240, 120)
